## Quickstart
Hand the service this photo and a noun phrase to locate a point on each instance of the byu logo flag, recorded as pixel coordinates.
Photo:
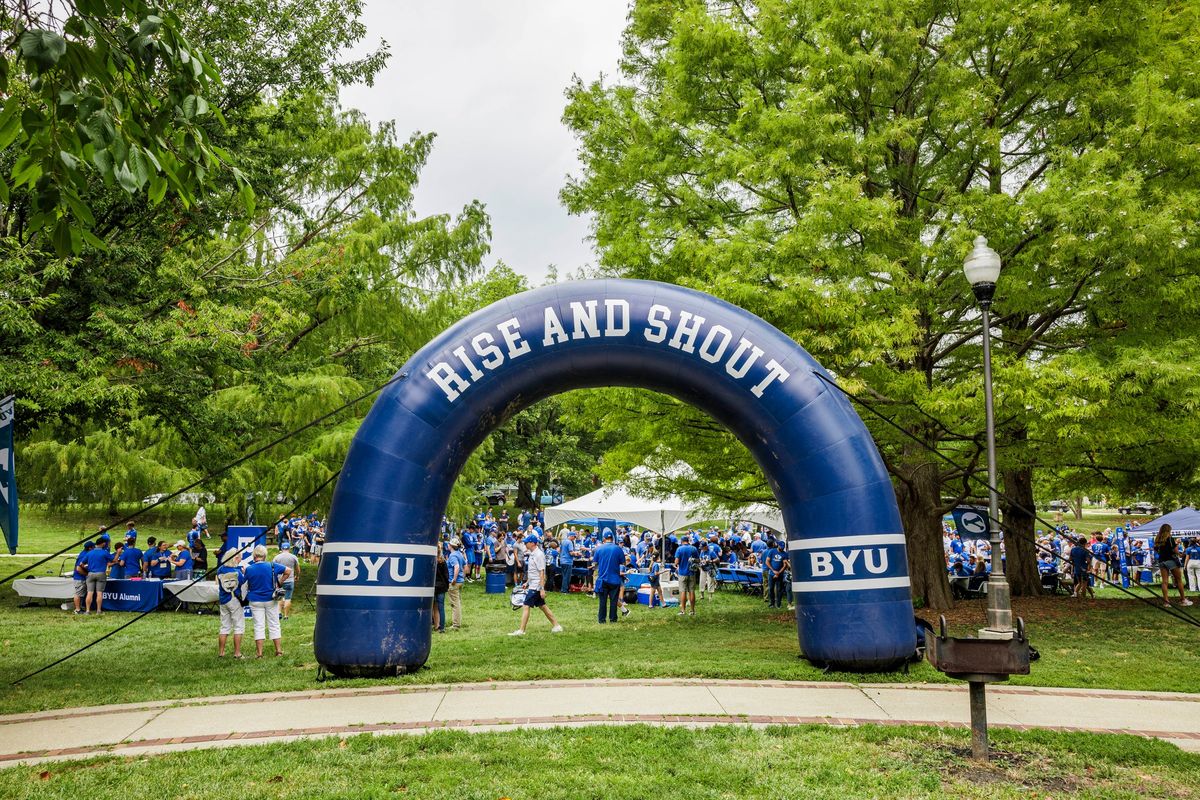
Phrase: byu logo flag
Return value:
(971, 522)
(8, 476)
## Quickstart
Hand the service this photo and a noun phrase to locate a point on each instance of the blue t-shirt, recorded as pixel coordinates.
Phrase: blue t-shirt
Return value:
(609, 559)
(1045, 566)
(222, 595)
(80, 559)
(163, 568)
(193, 536)
(491, 547)
(186, 557)
(97, 560)
(684, 555)
(457, 558)
(133, 561)
(566, 552)
(775, 560)
(552, 557)
(1079, 557)
(1193, 552)
(261, 576)
(758, 546)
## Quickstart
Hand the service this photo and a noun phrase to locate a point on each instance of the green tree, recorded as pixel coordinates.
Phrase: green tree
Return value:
(827, 166)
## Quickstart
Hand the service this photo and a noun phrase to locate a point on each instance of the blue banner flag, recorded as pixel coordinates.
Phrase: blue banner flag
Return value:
(8, 476)
(971, 522)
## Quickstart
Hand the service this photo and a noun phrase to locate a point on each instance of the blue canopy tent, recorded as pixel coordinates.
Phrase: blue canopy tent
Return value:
(1184, 522)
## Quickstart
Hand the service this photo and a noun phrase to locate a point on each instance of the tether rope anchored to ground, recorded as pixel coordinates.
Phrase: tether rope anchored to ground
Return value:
(210, 570)
(240, 460)
(1032, 513)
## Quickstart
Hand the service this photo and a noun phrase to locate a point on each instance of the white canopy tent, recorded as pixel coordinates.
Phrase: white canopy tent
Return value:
(661, 515)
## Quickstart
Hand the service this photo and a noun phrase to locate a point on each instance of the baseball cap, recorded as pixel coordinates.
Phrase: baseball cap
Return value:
(531, 538)
(285, 546)
(606, 534)
(104, 537)
(181, 543)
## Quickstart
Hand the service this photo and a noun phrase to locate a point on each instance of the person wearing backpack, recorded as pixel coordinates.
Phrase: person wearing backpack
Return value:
(231, 590)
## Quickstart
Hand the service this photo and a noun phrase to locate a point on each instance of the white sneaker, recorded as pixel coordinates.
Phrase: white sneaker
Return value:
(1186, 603)
(624, 611)
(556, 629)
(517, 632)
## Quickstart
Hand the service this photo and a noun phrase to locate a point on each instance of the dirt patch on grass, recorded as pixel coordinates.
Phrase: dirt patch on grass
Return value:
(1006, 768)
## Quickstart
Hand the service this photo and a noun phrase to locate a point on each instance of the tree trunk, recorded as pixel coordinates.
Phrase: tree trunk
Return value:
(920, 512)
(1020, 564)
(524, 493)
(1077, 509)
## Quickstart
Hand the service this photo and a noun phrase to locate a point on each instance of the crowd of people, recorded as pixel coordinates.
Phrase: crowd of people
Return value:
(598, 561)
(1074, 561)
(245, 579)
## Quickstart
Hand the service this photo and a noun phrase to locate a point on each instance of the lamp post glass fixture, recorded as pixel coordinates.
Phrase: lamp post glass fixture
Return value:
(982, 268)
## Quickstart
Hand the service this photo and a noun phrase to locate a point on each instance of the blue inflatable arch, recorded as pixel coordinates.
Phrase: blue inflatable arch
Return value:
(849, 567)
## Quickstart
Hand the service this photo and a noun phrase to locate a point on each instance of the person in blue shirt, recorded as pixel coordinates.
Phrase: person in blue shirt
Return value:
(1191, 564)
(687, 559)
(610, 567)
(160, 561)
(96, 565)
(1080, 560)
(654, 571)
(231, 582)
(262, 579)
(131, 558)
(552, 574)
(79, 575)
(456, 565)
(116, 569)
(566, 560)
(775, 561)
(182, 561)
(468, 546)
(193, 535)
(710, 556)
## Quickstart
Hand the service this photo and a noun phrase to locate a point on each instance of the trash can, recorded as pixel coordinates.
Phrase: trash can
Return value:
(496, 579)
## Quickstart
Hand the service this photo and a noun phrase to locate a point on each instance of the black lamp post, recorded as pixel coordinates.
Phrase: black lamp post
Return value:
(982, 268)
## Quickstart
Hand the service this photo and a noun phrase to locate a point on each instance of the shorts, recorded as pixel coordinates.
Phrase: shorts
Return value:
(1169, 564)
(1079, 574)
(202, 527)
(233, 620)
(534, 599)
(472, 559)
(288, 588)
(654, 581)
(81, 587)
(688, 583)
(316, 551)
(96, 581)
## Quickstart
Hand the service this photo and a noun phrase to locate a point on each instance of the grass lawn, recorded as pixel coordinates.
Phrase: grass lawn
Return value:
(1107, 643)
(640, 762)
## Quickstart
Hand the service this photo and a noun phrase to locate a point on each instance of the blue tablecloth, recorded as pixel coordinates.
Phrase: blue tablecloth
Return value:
(739, 575)
(123, 595)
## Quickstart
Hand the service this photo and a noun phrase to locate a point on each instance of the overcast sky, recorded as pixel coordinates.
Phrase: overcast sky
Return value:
(488, 78)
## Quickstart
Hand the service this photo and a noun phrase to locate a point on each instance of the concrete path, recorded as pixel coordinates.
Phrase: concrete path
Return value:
(169, 725)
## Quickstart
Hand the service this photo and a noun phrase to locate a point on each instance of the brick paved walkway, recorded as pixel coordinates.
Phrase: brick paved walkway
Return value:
(165, 726)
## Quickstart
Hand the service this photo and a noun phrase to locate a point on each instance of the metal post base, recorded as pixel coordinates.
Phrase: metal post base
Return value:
(979, 731)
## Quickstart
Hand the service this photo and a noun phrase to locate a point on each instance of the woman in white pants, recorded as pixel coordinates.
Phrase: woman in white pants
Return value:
(1191, 565)
(262, 579)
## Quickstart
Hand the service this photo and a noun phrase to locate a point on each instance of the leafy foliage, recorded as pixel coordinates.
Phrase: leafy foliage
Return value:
(828, 165)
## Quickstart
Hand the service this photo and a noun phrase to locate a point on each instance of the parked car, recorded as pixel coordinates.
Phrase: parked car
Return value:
(1141, 509)
(551, 499)
(1058, 505)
